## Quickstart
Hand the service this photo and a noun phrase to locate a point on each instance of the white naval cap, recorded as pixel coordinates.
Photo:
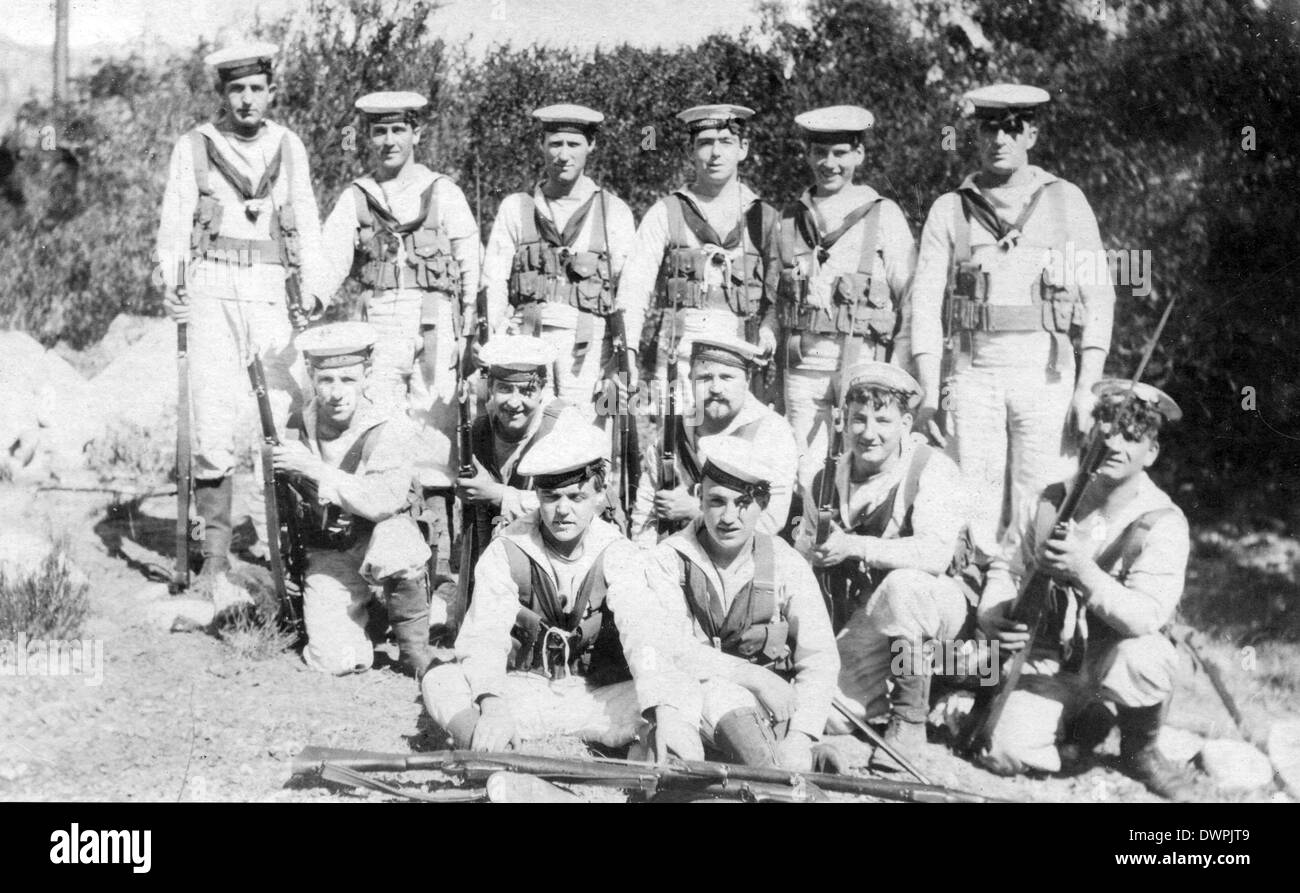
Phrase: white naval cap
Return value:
(571, 453)
(836, 123)
(883, 376)
(735, 464)
(516, 357)
(720, 116)
(566, 116)
(1005, 102)
(337, 344)
(242, 59)
(732, 351)
(1119, 389)
(391, 106)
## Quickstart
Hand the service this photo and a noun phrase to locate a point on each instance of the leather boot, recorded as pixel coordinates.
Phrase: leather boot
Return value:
(1141, 760)
(745, 737)
(1087, 731)
(214, 499)
(408, 615)
(909, 706)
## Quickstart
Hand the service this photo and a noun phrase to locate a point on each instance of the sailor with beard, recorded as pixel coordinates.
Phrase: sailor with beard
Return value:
(721, 368)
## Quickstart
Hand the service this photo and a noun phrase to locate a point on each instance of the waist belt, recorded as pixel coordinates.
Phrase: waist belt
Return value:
(244, 252)
(981, 316)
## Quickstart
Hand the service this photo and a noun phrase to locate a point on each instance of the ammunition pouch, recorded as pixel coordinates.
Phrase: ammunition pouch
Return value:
(427, 247)
(859, 307)
(207, 224)
(687, 280)
(1052, 308)
(329, 527)
(544, 273)
(765, 644)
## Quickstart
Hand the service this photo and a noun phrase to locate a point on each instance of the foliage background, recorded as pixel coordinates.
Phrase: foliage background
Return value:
(1152, 102)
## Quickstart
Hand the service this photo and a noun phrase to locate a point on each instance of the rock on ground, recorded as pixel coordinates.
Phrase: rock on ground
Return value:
(1284, 753)
(1236, 766)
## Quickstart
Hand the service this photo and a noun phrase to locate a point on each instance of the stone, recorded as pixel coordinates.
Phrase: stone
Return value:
(1236, 766)
(180, 614)
(951, 710)
(1179, 745)
(1284, 753)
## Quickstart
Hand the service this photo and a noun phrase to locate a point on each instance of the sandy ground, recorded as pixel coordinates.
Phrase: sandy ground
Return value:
(188, 717)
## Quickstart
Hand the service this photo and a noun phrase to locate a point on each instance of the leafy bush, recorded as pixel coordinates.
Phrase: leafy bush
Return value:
(52, 602)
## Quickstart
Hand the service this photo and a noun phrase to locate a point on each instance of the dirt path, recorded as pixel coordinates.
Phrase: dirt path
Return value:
(188, 717)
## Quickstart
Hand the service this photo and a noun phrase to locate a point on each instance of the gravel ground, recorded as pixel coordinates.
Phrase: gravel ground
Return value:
(189, 717)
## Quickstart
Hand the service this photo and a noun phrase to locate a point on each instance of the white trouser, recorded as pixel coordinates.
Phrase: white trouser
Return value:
(432, 408)
(575, 378)
(908, 604)
(541, 707)
(336, 610)
(1137, 672)
(1008, 438)
(236, 312)
(808, 409)
(395, 314)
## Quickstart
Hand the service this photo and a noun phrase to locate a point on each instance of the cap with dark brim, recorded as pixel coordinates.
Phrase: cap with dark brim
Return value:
(1149, 394)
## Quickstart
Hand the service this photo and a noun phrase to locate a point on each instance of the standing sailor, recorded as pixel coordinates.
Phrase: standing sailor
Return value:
(407, 235)
(239, 210)
(847, 257)
(554, 256)
(706, 252)
(995, 253)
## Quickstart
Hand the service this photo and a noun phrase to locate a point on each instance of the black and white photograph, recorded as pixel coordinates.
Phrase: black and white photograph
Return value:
(572, 401)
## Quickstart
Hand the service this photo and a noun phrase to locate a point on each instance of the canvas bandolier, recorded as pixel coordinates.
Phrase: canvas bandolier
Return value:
(703, 276)
(1053, 306)
(850, 584)
(1090, 631)
(863, 311)
(425, 242)
(754, 627)
(545, 269)
(327, 525)
(546, 639)
(206, 241)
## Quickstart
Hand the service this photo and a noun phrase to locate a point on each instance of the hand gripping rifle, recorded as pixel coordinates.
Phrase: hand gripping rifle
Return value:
(647, 777)
(826, 515)
(625, 455)
(1038, 592)
(285, 510)
(181, 571)
(668, 425)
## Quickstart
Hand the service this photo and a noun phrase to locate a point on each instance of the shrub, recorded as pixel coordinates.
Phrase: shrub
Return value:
(50, 602)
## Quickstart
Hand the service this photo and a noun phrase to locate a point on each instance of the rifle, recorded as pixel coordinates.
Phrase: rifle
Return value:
(626, 774)
(284, 514)
(1193, 642)
(181, 573)
(668, 422)
(826, 515)
(625, 457)
(1038, 592)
